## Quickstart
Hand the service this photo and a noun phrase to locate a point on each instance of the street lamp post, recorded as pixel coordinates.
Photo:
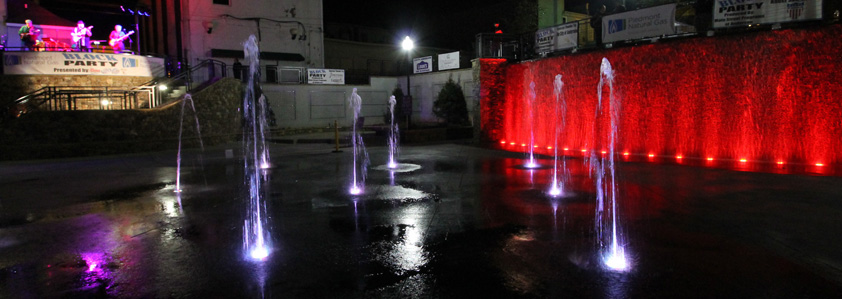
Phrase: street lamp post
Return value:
(407, 46)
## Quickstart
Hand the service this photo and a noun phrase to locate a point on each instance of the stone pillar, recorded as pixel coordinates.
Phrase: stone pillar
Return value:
(490, 75)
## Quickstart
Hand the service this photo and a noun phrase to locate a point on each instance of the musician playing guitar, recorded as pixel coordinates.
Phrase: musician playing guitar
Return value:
(117, 37)
(81, 36)
(28, 35)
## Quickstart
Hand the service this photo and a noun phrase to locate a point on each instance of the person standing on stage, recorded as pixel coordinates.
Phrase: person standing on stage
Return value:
(116, 39)
(28, 35)
(81, 37)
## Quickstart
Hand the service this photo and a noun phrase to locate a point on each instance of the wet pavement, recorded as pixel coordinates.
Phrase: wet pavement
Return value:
(454, 221)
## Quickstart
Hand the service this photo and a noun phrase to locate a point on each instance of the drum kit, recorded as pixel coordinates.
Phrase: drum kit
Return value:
(51, 44)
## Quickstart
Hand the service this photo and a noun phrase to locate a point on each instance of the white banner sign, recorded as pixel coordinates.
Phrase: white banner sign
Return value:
(422, 65)
(649, 22)
(736, 13)
(561, 37)
(325, 76)
(81, 63)
(449, 61)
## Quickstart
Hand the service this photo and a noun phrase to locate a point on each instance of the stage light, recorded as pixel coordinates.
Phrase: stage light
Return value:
(502, 142)
(512, 143)
(780, 162)
(679, 157)
(819, 164)
(626, 154)
(710, 158)
(603, 152)
(566, 148)
(651, 155)
(523, 144)
(549, 147)
(743, 160)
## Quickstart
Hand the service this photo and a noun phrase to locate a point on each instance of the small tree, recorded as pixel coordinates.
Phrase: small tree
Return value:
(450, 104)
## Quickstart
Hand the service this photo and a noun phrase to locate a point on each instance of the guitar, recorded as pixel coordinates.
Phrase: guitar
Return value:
(112, 42)
(32, 34)
(81, 34)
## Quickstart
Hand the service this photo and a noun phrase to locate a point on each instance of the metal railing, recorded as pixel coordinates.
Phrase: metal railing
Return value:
(56, 98)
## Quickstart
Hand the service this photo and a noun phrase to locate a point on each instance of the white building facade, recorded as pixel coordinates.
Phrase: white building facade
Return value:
(290, 33)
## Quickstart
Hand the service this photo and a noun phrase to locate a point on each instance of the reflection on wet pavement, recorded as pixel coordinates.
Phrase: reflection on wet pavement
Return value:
(466, 222)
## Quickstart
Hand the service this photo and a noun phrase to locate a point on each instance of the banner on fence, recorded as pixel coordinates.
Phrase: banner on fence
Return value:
(325, 76)
(81, 63)
(733, 13)
(422, 65)
(649, 22)
(560, 37)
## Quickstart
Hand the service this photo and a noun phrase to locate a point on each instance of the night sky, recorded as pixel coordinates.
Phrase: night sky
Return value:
(450, 24)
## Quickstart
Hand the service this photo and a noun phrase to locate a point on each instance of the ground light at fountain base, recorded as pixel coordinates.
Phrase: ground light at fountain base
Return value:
(355, 190)
(259, 253)
(531, 164)
(555, 190)
(392, 165)
(616, 260)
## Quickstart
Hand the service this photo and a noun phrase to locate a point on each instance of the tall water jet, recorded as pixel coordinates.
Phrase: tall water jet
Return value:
(557, 187)
(531, 163)
(187, 97)
(393, 135)
(602, 167)
(360, 155)
(256, 238)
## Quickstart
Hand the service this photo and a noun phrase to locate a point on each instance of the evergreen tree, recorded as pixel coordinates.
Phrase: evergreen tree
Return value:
(450, 104)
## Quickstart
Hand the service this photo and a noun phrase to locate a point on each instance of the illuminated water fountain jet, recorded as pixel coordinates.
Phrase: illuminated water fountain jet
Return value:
(532, 163)
(603, 170)
(360, 155)
(187, 97)
(557, 187)
(393, 135)
(256, 238)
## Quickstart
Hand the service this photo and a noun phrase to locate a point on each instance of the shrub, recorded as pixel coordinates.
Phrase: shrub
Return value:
(450, 105)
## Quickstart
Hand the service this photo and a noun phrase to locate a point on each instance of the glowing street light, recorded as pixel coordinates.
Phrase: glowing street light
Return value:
(407, 44)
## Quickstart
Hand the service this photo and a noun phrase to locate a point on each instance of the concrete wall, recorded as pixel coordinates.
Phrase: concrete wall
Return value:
(308, 106)
(229, 33)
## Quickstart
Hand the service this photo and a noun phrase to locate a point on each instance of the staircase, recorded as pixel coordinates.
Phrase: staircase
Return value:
(154, 93)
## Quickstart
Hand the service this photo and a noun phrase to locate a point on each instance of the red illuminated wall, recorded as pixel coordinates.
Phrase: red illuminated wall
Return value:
(766, 96)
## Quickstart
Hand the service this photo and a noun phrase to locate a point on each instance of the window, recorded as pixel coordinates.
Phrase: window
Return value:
(222, 2)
